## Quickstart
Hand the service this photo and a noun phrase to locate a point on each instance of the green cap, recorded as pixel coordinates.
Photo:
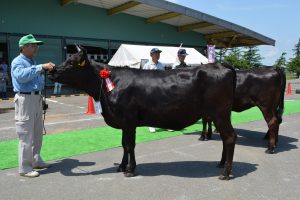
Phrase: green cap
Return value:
(29, 39)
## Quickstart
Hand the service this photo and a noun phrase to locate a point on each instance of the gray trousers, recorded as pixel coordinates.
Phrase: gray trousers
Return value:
(29, 127)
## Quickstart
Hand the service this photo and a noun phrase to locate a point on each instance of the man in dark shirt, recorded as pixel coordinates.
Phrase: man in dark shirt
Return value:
(181, 57)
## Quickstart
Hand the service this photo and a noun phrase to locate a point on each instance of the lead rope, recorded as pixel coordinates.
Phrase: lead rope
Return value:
(44, 118)
(44, 104)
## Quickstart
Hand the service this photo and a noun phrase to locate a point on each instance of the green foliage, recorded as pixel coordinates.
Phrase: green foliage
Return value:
(297, 49)
(294, 63)
(239, 57)
(252, 56)
(281, 61)
(220, 54)
(234, 59)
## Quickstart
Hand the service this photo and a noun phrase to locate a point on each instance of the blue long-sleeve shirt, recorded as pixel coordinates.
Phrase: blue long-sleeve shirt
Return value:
(26, 75)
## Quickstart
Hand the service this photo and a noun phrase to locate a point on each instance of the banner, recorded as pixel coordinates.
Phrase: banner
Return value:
(211, 53)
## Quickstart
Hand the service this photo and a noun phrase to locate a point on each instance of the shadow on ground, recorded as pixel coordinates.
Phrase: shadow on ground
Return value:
(67, 166)
(256, 139)
(186, 169)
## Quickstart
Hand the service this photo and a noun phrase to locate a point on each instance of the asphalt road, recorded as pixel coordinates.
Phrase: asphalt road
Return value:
(64, 114)
(175, 168)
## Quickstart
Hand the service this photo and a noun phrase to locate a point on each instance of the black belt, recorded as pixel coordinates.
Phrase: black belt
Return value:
(34, 92)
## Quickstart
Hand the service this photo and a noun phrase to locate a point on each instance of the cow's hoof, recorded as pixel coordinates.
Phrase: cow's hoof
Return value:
(223, 177)
(202, 138)
(270, 150)
(129, 174)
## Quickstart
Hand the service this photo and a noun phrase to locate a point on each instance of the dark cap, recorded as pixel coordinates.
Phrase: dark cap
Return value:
(154, 50)
(182, 52)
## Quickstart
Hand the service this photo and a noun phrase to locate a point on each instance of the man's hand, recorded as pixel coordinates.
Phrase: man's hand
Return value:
(48, 66)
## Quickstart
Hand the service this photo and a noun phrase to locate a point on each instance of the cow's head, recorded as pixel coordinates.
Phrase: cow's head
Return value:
(76, 71)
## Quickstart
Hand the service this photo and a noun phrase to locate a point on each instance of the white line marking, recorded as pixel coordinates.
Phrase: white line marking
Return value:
(62, 122)
(71, 121)
(52, 100)
(69, 105)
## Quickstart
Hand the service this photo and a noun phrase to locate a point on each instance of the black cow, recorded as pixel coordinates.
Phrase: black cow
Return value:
(166, 99)
(262, 87)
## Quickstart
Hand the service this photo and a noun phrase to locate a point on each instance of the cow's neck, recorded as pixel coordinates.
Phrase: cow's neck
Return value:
(96, 84)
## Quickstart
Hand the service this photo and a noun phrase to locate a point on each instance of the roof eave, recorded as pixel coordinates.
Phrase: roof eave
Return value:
(172, 7)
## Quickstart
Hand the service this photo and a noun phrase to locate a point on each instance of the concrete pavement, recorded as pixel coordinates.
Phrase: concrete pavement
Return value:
(175, 168)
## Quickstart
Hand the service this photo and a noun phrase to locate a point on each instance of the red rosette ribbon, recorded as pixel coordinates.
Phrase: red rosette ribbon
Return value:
(105, 74)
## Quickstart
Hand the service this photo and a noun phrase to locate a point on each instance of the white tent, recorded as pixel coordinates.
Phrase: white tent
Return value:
(133, 55)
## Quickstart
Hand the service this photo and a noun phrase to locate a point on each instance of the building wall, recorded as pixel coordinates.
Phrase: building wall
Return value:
(48, 17)
(58, 26)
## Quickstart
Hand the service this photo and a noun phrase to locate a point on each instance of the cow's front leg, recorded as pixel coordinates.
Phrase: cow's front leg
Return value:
(123, 165)
(129, 139)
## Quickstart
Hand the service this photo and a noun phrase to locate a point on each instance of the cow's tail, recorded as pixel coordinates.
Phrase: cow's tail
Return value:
(280, 107)
(234, 78)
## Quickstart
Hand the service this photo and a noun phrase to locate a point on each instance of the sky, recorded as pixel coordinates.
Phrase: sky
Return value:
(277, 19)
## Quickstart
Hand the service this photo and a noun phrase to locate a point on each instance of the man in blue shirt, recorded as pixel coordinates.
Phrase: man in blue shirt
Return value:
(154, 64)
(28, 81)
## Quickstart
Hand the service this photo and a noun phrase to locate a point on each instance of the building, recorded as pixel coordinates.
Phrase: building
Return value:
(103, 25)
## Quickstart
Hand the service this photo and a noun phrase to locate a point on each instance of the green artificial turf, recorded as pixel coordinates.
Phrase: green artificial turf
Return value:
(72, 143)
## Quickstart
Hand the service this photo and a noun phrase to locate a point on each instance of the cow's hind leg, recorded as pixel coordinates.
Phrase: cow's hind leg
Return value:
(273, 135)
(273, 125)
(204, 130)
(228, 138)
(209, 133)
(267, 136)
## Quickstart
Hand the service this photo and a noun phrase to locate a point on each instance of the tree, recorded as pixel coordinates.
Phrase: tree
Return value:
(281, 61)
(252, 56)
(234, 59)
(294, 63)
(297, 49)
(220, 54)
